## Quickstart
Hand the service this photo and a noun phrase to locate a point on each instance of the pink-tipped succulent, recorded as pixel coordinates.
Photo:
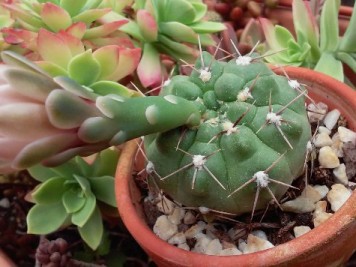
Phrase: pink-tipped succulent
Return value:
(167, 27)
(5, 21)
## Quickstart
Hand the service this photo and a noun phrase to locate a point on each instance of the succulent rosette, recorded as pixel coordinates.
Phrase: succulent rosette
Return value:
(50, 120)
(166, 27)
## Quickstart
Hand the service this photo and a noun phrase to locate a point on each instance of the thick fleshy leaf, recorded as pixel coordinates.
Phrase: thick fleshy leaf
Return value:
(103, 188)
(73, 7)
(81, 217)
(84, 184)
(30, 84)
(178, 31)
(329, 65)
(106, 162)
(73, 200)
(109, 87)
(207, 27)
(41, 149)
(25, 16)
(147, 24)
(77, 29)
(178, 50)
(347, 59)
(72, 86)
(50, 191)
(104, 30)
(52, 69)
(90, 15)
(128, 63)
(30, 116)
(74, 44)
(181, 11)
(52, 48)
(91, 130)
(93, 230)
(329, 25)
(108, 58)
(348, 41)
(45, 219)
(305, 26)
(67, 111)
(149, 68)
(55, 17)
(41, 173)
(84, 68)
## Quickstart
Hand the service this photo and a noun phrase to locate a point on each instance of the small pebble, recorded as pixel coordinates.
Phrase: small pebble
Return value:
(299, 205)
(166, 206)
(337, 145)
(328, 158)
(340, 174)
(177, 239)
(311, 193)
(177, 215)
(337, 196)
(323, 129)
(320, 109)
(230, 252)
(242, 245)
(346, 135)
(322, 139)
(331, 119)
(193, 231)
(164, 228)
(189, 218)
(255, 244)
(260, 234)
(301, 230)
(202, 244)
(322, 189)
(5, 203)
(184, 246)
(214, 247)
(320, 215)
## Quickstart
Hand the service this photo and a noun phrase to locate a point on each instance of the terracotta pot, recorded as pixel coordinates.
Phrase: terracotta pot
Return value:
(329, 244)
(5, 260)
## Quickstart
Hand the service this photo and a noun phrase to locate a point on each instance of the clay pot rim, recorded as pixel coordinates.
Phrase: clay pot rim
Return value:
(306, 244)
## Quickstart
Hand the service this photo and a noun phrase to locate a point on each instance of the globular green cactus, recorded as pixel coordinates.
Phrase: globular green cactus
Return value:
(249, 146)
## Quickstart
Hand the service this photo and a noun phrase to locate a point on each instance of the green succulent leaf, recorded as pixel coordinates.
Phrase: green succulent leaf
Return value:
(200, 10)
(207, 27)
(331, 66)
(348, 41)
(84, 68)
(73, 200)
(110, 87)
(88, 16)
(329, 26)
(85, 169)
(51, 191)
(347, 59)
(84, 184)
(181, 11)
(81, 217)
(45, 219)
(55, 17)
(284, 37)
(178, 31)
(73, 7)
(52, 69)
(92, 231)
(41, 173)
(105, 163)
(103, 189)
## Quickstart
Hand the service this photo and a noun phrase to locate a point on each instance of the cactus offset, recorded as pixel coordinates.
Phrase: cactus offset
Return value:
(249, 146)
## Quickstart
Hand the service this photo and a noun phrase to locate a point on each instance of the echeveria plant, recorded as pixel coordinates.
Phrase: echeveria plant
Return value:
(73, 193)
(316, 46)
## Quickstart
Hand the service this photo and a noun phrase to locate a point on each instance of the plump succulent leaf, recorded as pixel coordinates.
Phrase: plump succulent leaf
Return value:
(103, 189)
(331, 66)
(50, 191)
(329, 25)
(93, 225)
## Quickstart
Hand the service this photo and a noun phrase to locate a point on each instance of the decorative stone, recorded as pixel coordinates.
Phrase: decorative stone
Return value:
(193, 231)
(230, 252)
(337, 196)
(320, 215)
(346, 135)
(177, 215)
(260, 234)
(189, 218)
(328, 158)
(178, 238)
(311, 193)
(166, 206)
(184, 246)
(322, 189)
(323, 129)
(255, 244)
(301, 230)
(164, 228)
(337, 145)
(202, 244)
(331, 119)
(5, 203)
(340, 174)
(316, 112)
(322, 139)
(214, 247)
(299, 205)
(242, 245)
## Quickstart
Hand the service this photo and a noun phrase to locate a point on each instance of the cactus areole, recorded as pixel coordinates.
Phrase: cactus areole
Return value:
(249, 146)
